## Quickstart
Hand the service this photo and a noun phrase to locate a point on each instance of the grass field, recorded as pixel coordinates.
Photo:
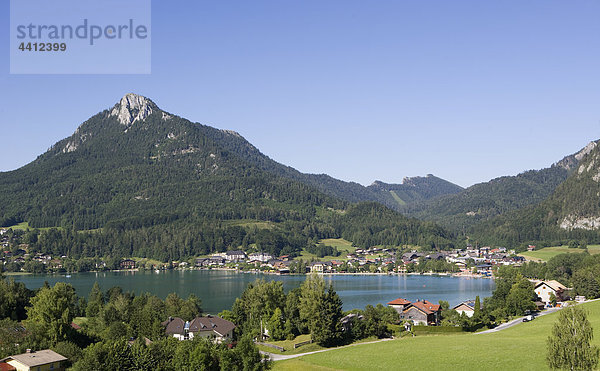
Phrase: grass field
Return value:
(25, 226)
(341, 244)
(522, 347)
(548, 253)
(288, 345)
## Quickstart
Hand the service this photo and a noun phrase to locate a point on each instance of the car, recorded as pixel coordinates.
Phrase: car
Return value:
(528, 318)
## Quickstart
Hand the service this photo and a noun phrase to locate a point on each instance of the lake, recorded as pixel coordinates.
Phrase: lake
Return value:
(218, 289)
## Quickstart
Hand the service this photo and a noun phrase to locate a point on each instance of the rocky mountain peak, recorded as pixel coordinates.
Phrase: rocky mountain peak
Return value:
(570, 162)
(132, 108)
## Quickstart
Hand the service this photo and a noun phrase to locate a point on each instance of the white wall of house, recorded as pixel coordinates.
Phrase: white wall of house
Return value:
(544, 291)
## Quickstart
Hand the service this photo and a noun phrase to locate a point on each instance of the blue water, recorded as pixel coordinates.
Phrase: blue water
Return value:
(218, 289)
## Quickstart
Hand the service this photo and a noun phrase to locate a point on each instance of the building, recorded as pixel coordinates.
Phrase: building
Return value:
(317, 267)
(41, 360)
(235, 256)
(466, 307)
(544, 289)
(260, 256)
(418, 312)
(211, 327)
(399, 304)
(127, 264)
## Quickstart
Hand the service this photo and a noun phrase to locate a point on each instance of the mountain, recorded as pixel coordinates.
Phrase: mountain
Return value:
(417, 189)
(136, 162)
(136, 180)
(395, 196)
(572, 211)
(481, 202)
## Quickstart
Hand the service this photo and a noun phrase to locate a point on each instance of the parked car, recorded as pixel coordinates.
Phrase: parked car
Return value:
(528, 318)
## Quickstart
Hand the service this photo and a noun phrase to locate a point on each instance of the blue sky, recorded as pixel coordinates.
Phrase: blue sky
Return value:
(466, 90)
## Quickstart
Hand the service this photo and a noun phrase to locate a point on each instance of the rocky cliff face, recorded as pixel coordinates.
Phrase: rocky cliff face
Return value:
(132, 108)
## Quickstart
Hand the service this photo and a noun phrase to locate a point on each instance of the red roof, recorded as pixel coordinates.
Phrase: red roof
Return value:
(6, 367)
(426, 306)
(399, 301)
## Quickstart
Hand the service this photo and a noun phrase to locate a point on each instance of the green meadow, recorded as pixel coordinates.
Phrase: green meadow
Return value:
(521, 347)
(548, 253)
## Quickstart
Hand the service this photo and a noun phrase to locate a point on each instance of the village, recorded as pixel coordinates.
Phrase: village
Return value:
(472, 261)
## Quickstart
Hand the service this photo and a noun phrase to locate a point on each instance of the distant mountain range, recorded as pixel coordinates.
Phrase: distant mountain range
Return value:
(136, 166)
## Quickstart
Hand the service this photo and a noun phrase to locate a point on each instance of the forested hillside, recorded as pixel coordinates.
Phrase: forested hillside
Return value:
(572, 212)
(392, 195)
(417, 189)
(135, 180)
(483, 201)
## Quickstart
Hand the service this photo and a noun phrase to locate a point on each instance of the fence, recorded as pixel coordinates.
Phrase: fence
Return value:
(281, 349)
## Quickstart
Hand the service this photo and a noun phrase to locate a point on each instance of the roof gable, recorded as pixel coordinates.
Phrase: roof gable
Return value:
(399, 301)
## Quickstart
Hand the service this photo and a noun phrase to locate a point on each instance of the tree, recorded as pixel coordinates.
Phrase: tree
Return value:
(477, 309)
(276, 325)
(519, 299)
(569, 344)
(328, 331)
(51, 312)
(95, 301)
(585, 283)
(311, 301)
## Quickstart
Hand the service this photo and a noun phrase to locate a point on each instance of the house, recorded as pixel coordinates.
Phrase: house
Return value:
(422, 312)
(235, 256)
(544, 289)
(36, 360)
(317, 267)
(260, 256)
(348, 321)
(399, 304)
(466, 307)
(211, 327)
(127, 264)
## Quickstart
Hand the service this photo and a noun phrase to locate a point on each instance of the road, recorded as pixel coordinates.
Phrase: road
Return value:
(516, 321)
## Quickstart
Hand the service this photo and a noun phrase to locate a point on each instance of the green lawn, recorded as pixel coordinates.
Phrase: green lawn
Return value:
(22, 226)
(341, 244)
(522, 347)
(548, 253)
(25, 226)
(288, 345)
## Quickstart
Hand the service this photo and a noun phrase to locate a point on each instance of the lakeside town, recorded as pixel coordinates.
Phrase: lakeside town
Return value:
(471, 261)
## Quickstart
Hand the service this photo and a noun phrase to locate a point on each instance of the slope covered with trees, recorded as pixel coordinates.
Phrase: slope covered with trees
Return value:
(135, 180)
(572, 212)
(484, 201)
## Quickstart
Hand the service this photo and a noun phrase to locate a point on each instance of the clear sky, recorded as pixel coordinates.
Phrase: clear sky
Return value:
(466, 90)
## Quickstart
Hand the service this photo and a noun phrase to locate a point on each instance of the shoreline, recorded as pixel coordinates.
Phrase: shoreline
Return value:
(442, 274)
